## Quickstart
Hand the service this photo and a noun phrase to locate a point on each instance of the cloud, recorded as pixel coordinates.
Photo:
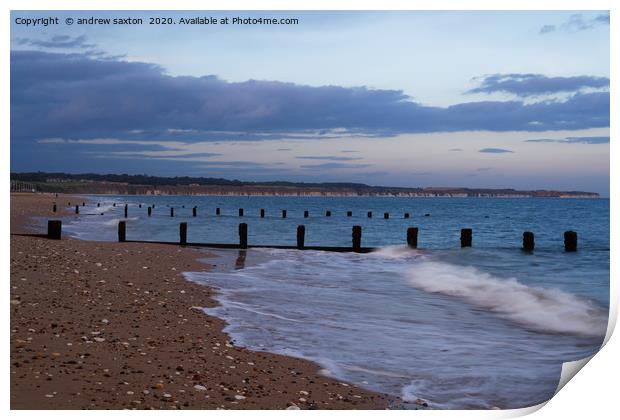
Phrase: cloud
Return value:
(77, 96)
(335, 165)
(494, 150)
(284, 149)
(577, 23)
(57, 41)
(573, 140)
(335, 158)
(525, 85)
(349, 151)
(455, 150)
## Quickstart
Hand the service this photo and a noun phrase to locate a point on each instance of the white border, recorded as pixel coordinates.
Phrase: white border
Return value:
(592, 394)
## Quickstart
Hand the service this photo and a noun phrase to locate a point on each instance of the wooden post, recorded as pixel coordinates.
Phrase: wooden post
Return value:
(386, 215)
(125, 211)
(412, 237)
(466, 238)
(349, 213)
(121, 230)
(306, 214)
(171, 211)
(83, 204)
(301, 232)
(217, 211)
(77, 209)
(284, 214)
(370, 215)
(54, 208)
(183, 233)
(528, 241)
(356, 234)
(570, 241)
(328, 213)
(149, 210)
(54, 229)
(140, 205)
(194, 211)
(243, 235)
(407, 215)
(113, 204)
(240, 212)
(262, 213)
(98, 204)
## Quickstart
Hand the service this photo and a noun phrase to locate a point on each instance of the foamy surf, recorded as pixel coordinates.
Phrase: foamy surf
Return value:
(546, 310)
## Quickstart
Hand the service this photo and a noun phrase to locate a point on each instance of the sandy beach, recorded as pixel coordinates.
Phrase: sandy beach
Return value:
(105, 325)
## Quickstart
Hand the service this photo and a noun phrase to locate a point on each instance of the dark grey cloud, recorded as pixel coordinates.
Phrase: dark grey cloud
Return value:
(494, 150)
(334, 158)
(573, 140)
(76, 96)
(58, 41)
(537, 84)
(577, 23)
(335, 165)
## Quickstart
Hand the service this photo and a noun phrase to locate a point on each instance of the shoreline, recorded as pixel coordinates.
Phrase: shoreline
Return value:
(76, 342)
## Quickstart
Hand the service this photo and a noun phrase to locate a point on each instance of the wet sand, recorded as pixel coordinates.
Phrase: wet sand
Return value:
(105, 325)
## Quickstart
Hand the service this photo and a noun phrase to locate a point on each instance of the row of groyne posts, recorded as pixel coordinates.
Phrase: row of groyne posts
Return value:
(54, 228)
(218, 212)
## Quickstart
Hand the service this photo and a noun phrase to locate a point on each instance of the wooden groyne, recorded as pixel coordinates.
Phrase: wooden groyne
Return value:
(54, 229)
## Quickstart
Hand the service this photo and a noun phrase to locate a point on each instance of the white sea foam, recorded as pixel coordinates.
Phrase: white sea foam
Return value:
(114, 221)
(547, 310)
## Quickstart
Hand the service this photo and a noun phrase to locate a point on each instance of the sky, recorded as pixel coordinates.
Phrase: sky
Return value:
(476, 99)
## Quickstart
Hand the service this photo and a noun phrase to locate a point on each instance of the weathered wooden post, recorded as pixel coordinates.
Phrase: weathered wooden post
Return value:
(328, 213)
(370, 215)
(125, 211)
(466, 238)
(140, 205)
(407, 215)
(301, 232)
(386, 215)
(262, 213)
(528, 241)
(54, 208)
(113, 204)
(54, 229)
(243, 235)
(194, 211)
(349, 213)
(240, 212)
(306, 214)
(412, 237)
(69, 204)
(171, 211)
(77, 209)
(83, 204)
(356, 234)
(98, 204)
(217, 211)
(284, 214)
(183, 233)
(570, 241)
(149, 210)
(121, 230)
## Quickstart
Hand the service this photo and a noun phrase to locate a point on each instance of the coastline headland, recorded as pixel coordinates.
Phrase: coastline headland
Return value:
(150, 185)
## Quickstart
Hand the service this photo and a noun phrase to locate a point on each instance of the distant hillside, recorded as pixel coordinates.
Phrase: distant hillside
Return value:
(90, 183)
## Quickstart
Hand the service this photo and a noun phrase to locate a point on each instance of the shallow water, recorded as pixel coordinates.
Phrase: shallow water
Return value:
(488, 326)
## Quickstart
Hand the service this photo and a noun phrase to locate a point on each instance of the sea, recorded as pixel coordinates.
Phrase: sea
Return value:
(460, 328)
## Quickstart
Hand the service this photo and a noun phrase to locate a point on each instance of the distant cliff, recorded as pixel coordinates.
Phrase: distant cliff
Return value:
(149, 185)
